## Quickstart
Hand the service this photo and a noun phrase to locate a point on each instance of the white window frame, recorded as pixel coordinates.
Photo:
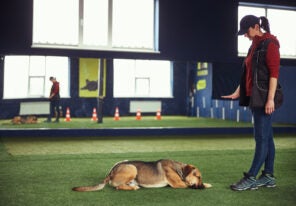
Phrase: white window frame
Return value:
(109, 47)
(263, 10)
(17, 77)
(128, 73)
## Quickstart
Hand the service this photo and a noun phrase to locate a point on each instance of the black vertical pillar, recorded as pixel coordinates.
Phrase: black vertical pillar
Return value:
(101, 88)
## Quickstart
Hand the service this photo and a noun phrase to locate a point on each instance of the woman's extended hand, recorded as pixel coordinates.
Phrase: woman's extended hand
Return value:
(234, 95)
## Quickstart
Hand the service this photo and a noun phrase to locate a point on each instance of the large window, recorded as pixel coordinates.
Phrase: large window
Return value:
(96, 24)
(143, 78)
(28, 76)
(277, 17)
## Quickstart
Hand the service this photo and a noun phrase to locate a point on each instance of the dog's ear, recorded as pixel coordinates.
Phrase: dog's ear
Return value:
(187, 170)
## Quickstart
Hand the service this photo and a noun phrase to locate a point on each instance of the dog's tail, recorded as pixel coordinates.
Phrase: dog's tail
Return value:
(99, 186)
(88, 188)
(92, 188)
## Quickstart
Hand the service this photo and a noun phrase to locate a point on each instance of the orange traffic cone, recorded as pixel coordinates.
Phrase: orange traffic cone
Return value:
(94, 115)
(68, 117)
(138, 116)
(116, 115)
(158, 115)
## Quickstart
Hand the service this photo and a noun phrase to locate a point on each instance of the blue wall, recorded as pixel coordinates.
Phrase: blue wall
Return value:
(225, 81)
(287, 113)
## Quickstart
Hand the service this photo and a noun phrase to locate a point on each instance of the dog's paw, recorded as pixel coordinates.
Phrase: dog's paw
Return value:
(136, 187)
(207, 185)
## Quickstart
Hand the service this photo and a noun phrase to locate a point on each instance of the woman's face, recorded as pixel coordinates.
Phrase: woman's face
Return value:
(252, 32)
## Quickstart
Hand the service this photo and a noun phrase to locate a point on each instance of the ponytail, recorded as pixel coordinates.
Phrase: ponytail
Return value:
(264, 24)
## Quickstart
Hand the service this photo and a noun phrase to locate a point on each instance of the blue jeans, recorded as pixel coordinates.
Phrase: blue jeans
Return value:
(265, 149)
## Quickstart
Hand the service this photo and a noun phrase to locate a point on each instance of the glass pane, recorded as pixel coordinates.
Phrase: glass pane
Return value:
(133, 23)
(16, 69)
(145, 78)
(95, 23)
(37, 66)
(17, 83)
(142, 87)
(61, 24)
(36, 86)
(285, 34)
(243, 42)
(124, 78)
(56, 22)
(161, 79)
(58, 67)
(143, 68)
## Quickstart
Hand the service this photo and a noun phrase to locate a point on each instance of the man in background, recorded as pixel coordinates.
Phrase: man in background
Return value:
(54, 99)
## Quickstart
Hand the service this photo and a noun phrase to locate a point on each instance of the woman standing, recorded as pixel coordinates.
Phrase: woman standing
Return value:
(260, 69)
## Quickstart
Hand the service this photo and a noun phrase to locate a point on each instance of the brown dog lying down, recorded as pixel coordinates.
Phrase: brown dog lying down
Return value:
(24, 120)
(131, 175)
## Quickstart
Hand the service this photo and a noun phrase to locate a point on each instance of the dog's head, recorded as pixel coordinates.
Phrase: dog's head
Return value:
(192, 177)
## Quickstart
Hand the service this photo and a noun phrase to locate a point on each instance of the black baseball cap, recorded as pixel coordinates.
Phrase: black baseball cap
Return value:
(247, 22)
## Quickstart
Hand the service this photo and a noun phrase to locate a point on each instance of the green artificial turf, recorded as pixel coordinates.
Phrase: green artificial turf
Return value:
(147, 144)
(128, 122)
(45, 176)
